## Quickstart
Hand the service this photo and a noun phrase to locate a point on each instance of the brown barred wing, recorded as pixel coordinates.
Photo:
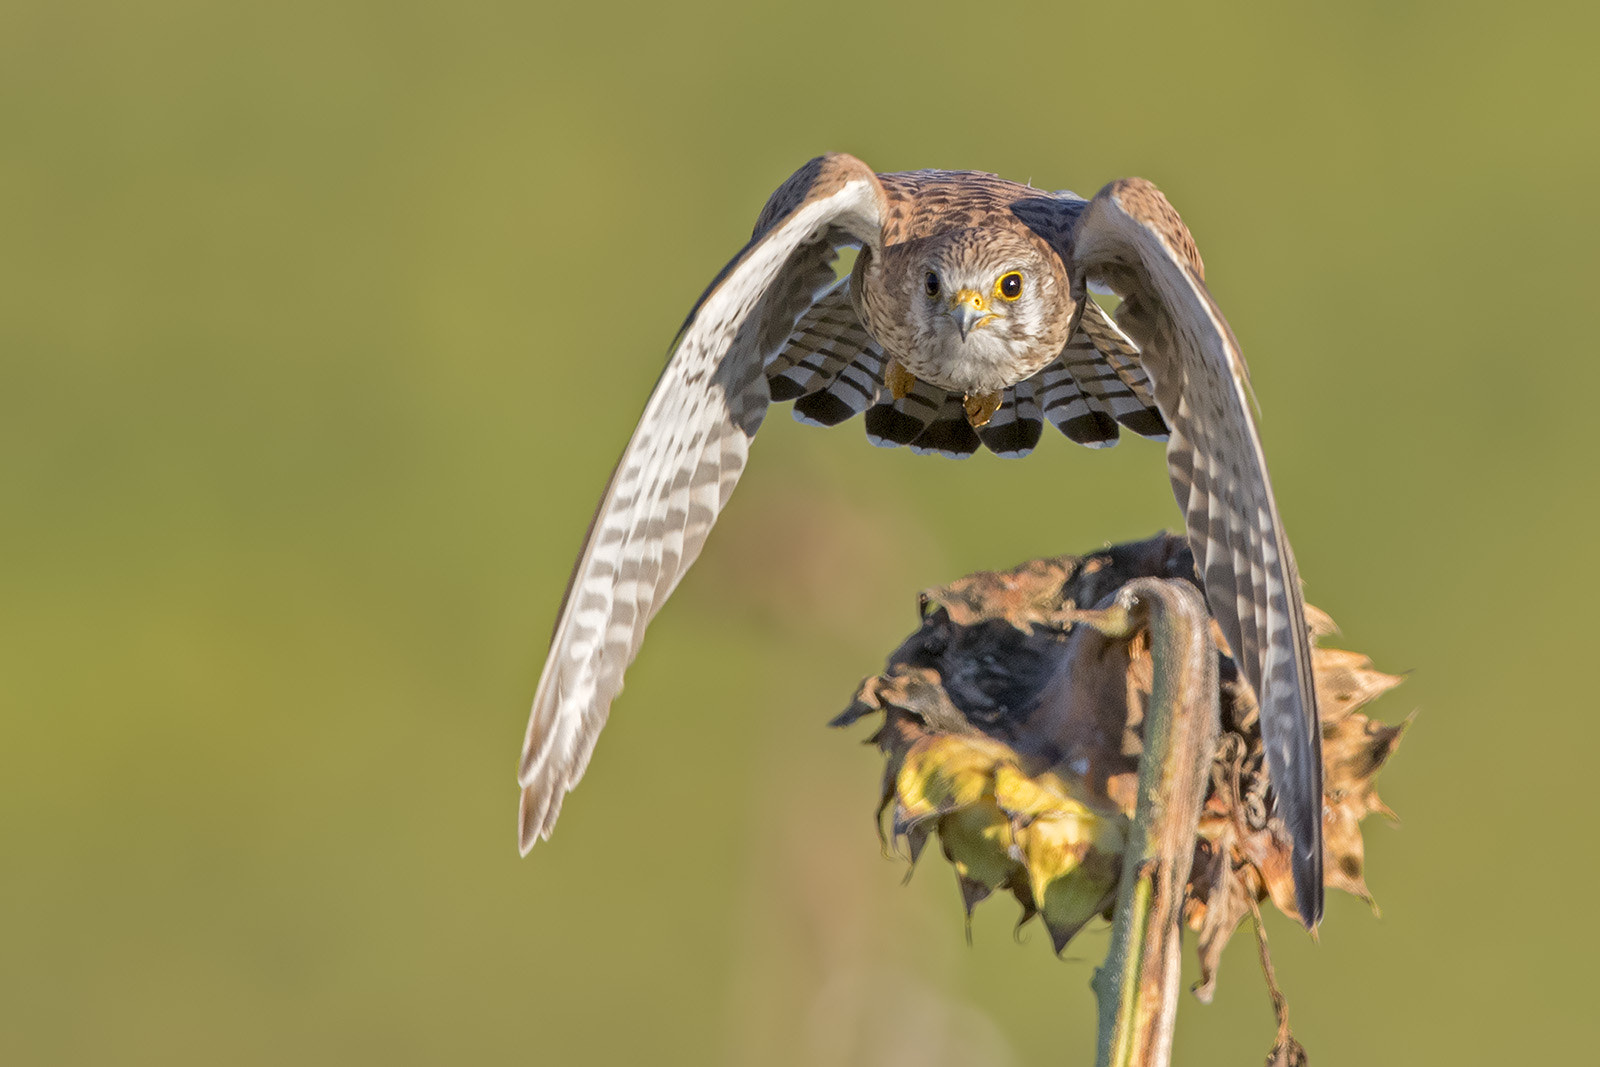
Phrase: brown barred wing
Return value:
(829, 366)
(680, 466)
(1131, 239)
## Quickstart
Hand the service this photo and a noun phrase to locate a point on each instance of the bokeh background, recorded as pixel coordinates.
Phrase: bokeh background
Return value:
(321, 325)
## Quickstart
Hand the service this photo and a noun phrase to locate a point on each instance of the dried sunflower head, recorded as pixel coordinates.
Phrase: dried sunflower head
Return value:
(1014, 735)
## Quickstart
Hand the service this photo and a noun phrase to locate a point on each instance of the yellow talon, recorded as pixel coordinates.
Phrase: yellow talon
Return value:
(899, 380)
(981, 407)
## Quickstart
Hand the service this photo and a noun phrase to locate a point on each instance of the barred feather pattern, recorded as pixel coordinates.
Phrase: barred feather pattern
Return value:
(855, 389)
(895, 421)
(674, 478)
(1082, 417)
(1122, 356)
(948, 433)
(830, 366)
(822, 341)
(1079, 393)
(1017, 425)
(1104, 361)
(1133, 239)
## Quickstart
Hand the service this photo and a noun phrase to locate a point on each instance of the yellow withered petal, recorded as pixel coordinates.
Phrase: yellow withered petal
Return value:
(1073, 860)
(977, 841)
(945, 772)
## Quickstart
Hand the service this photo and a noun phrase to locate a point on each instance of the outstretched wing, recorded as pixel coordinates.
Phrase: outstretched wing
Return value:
(1130, 238)
(681, 465)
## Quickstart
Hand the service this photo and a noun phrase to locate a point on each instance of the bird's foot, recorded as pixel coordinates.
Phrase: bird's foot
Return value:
(899, 380)
(981, 407)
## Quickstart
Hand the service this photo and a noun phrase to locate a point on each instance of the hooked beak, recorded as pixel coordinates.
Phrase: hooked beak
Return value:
(970, 310)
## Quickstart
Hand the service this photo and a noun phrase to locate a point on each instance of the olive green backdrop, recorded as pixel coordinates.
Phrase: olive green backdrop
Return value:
(322, 324)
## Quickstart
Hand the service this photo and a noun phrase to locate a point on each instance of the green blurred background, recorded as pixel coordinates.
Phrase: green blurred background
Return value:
(323, 323)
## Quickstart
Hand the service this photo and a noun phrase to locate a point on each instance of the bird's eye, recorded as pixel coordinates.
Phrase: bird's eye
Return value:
(931, 284)
(1009, 286)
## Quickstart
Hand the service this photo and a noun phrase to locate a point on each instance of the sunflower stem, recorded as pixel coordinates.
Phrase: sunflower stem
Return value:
(1137, 986)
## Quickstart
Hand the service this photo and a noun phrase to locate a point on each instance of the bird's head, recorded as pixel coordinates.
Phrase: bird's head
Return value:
(975, 285)
(974, 310)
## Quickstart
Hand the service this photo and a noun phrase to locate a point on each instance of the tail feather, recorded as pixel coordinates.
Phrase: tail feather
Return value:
(1015, 428)
(899, 421)
(824, 340)
(1065, 406)
(950, 434)
(1133, 404)
(853, 390)
(833, 370)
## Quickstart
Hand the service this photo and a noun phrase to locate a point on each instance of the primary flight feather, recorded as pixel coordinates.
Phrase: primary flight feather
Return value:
(965, 323)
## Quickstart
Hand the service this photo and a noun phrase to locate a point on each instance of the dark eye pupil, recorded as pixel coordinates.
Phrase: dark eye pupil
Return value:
(1011, 284)
(932, 282)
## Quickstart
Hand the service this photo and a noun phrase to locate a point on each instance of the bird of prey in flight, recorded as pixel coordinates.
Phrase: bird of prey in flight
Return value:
(965, 323)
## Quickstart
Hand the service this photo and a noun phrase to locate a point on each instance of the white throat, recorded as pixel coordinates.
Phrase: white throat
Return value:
(987, 361)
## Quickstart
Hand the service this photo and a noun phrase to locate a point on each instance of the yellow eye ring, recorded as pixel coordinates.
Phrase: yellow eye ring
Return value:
(1009, 287)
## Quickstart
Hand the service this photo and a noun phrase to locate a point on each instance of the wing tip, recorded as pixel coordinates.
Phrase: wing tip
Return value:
(1308, 886)
(536, 815)
(1306, 861)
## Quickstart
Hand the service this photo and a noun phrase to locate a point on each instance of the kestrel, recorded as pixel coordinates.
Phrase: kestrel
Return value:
(965, 322)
